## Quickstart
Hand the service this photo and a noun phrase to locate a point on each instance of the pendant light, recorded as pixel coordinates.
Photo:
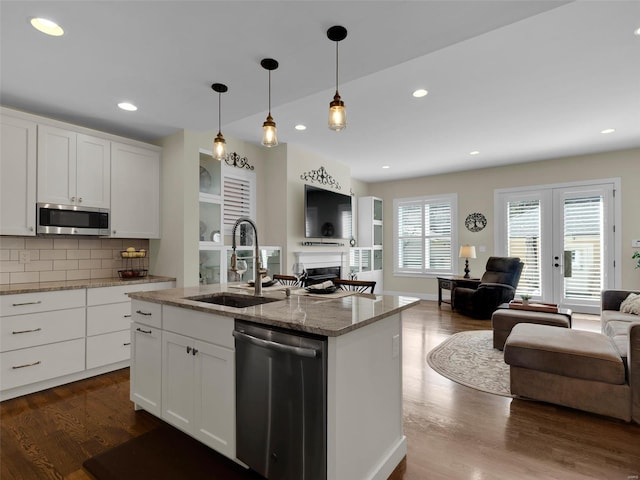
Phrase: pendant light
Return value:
(337, 114)
(270, 133)
(219, 149)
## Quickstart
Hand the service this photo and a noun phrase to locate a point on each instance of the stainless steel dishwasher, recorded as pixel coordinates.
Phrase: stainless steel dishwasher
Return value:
(281, 402)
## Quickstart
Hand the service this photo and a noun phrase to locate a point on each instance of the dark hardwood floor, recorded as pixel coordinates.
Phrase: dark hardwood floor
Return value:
(453, 432)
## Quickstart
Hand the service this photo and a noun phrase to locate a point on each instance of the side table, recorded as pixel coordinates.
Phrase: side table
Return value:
(449, 282)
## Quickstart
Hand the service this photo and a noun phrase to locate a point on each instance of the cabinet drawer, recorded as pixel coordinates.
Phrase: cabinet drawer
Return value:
(108, 348)
(146, 312)
(208, 327)
(108, 318)
(30, 365)
(22, 331)
(103, 295)
(41, 301)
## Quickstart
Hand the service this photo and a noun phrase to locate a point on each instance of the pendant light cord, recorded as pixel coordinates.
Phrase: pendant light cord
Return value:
(219, 109)
(269, 93)
(337, 66)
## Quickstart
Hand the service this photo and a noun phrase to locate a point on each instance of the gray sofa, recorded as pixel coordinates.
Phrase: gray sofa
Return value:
(595, 372)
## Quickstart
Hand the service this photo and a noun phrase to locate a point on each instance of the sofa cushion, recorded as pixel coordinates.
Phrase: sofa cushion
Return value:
(618, 327)
(570, 353)
(631, 304)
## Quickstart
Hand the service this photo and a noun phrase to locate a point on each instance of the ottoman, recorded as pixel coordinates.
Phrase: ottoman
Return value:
(567, 367)
(504, 319)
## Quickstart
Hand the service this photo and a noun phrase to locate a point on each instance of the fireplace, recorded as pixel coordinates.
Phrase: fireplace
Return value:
(321, 274)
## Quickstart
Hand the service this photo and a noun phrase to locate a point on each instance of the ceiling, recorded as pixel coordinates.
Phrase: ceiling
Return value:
(516, 80)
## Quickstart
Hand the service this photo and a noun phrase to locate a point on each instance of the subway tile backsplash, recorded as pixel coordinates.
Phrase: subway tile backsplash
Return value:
(48, 258)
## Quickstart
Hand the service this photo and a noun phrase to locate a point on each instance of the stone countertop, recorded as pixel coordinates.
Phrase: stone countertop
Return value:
(330, 317)
(10, 289)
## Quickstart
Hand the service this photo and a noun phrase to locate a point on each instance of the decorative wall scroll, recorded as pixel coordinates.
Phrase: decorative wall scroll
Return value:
(235, 160)
(322, 177)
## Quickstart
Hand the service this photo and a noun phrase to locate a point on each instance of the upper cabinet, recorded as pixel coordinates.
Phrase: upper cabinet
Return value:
(17, 176)
(135, 191)
(73, 168)
(370, 222)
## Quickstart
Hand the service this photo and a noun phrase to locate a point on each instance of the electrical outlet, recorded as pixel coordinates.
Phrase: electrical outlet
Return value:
(635, 243)
(24, 257)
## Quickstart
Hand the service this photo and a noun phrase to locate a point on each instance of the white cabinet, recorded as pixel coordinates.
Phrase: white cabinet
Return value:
(135, 191)
(367, 260)
(370, 222)
(198, 390)
(17, 175)
(198, 376)
(73, 168)
(146, 359)
(43, 337)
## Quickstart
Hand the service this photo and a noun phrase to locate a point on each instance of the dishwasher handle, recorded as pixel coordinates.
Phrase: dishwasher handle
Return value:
(299, 351)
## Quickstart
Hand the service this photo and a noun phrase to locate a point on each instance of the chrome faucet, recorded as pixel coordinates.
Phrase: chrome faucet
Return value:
(257, 267)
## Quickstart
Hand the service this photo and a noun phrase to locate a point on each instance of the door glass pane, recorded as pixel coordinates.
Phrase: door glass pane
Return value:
(523, 230)
(583, 222)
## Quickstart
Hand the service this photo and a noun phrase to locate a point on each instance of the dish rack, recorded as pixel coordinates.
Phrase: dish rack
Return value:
(133, 264)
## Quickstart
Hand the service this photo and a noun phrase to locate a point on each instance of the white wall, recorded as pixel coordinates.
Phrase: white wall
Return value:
(475, 189)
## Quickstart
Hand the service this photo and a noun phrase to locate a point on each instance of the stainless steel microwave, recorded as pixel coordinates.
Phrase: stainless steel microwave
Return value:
(72, 220)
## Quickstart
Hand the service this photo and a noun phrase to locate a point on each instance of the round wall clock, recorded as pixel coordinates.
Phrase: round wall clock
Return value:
(475, 222)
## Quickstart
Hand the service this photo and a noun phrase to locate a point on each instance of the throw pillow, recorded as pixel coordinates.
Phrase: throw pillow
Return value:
(626, 305)
(635, 306)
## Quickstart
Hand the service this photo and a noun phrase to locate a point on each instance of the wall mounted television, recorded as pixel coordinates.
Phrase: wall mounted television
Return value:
(327, 214)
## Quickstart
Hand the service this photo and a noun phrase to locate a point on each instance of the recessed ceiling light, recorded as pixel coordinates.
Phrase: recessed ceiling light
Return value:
(421, 92)
(47, 26)
(475, 152)
(129, 107)
(608, 130)
(300, 127)
(637, 31)
(386, 166)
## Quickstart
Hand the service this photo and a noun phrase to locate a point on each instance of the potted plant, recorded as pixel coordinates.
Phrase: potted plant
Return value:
(636, 254)
(525, 299)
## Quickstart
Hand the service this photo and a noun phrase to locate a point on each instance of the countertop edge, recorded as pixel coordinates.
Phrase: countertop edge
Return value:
(18, 288)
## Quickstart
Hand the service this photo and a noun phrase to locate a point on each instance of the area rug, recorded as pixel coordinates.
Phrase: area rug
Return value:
(164, 454)
(469, 358)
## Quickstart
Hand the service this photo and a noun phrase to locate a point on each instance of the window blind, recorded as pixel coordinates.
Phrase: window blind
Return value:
(238, 201)
(425, 230)
(523, 229)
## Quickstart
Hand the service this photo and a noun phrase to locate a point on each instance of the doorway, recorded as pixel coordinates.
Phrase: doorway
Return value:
(565, 235)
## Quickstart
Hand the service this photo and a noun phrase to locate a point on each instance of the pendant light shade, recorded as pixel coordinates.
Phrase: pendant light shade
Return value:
(269, 131)
(337, 113)
(219, 143)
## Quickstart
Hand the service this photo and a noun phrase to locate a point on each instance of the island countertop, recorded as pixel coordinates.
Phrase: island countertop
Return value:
(317, 314)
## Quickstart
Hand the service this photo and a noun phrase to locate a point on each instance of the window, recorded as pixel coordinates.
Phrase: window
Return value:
(238, 197)
(425, 234)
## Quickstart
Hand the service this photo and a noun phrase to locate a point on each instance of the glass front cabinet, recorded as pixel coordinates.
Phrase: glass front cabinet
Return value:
(214, 255)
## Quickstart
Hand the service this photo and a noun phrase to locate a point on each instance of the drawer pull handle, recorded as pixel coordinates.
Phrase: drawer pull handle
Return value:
(126, 344)
(27, 365)
(26, 331)
(127, 316)
(143, 331)
(144, 313)
(188, 350)
(37, 302)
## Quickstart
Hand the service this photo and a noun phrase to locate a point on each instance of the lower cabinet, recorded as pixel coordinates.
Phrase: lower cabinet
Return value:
(198, 390)
(146, 377)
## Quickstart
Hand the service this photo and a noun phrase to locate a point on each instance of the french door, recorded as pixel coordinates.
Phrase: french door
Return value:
(565, 236)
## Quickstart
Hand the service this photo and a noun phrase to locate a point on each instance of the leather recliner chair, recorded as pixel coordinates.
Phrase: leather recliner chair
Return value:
(497, 285)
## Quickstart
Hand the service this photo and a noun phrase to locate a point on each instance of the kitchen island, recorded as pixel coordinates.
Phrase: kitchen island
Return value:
(197, 391)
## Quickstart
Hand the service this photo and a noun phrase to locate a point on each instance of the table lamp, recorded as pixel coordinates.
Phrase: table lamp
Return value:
(467, 252)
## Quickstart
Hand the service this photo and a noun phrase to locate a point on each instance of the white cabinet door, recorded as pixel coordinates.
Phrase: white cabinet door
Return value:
(56, 165)
(135, 192)
(73, 169)
(146, 358)
(214, 395)
(17, 176)
(178, 380)
(93, 171)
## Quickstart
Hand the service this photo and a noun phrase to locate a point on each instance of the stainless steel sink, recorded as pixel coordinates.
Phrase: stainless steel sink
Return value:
(235, 300)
